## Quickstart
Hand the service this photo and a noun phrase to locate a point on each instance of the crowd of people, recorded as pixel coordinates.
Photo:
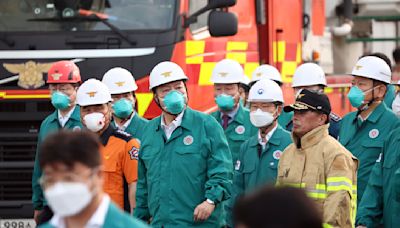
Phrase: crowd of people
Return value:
(252, 163)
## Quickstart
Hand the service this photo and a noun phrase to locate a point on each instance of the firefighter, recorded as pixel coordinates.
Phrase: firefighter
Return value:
(119, 151)
(380, 202)
(311, 76)
(122, 87)
(72, 183)
(185, 167)
(259, 155)
(396, 101)
(270, 72)
(63, 78)
(364, 131)
(317, 162)
(233, 117)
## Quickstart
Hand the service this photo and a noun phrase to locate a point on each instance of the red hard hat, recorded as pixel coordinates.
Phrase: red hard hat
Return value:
(63, 72)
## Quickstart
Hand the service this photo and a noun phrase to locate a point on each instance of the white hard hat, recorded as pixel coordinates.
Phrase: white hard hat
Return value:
(308, 74)
(245, 80)
(119, 80)
(166, 72)
(93, 92)
(266, 71)
(227, 71)
(374, 68)
(265, 90)
(397, 83)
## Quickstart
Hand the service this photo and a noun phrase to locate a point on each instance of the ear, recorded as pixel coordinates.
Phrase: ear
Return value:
(382, 91)
(279, 110)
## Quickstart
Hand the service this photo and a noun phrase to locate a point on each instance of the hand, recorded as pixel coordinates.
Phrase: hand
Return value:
(361, 226)
(36, 215)
(203, 211)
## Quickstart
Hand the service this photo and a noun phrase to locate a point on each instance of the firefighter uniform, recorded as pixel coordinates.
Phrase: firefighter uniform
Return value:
(119, 155)
(326, 170)
(380, 199)
(321, 165)
(256, 165)
(49, 125)
(238, 131)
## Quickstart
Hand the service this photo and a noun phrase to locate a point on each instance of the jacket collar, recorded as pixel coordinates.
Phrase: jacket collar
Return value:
(378, 112)
(311, 138)
(76, 114)
(107, 134)
(274, 140)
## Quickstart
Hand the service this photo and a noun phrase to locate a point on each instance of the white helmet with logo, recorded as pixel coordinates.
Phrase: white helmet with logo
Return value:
(265, 90)
(93, 92)
(166, 72)
(227, 71)
(374, 68)
(119, 80)
(266, 71)
(308, 74)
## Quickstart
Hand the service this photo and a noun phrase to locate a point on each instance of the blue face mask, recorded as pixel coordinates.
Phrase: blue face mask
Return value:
(225, 102)
(174, 102)
(60, 100)
(123, 108)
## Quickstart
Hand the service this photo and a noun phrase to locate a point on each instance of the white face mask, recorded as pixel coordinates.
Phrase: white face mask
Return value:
(95, 121)
(396, 105)
(68, 198)
(260, 118)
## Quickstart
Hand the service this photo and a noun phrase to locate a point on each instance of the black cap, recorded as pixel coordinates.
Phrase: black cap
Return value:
(310, 100)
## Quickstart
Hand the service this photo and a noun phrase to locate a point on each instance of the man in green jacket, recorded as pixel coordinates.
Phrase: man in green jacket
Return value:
(364, 131)
(381, 197)
(63, 79)
(73, 183)
(122, 87)
(234, 118)
(185, 166)
(259, 155)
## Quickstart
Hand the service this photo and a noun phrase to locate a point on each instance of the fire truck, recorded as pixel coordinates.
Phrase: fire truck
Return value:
(137, 34)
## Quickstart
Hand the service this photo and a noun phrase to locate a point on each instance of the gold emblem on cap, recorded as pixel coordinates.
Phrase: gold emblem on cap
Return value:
(166, 74)
(300, 96)
(223, 74)
(56, 76)
(91, 94)
(120, 84)
(358, 67)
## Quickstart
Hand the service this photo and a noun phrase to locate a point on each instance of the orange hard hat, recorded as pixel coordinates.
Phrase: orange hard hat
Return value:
(63, 72)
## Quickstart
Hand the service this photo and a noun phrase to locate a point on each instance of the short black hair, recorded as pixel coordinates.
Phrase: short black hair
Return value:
(396, 55)
(69, 147)
(277, 207)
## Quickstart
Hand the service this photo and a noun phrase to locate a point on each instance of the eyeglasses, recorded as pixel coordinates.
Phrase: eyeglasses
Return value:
(46, 181)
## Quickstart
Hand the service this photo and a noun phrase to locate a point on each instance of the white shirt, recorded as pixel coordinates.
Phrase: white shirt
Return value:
(169, 129)
(64, 119)
(267, 137)
(126, 124)
(96, 221)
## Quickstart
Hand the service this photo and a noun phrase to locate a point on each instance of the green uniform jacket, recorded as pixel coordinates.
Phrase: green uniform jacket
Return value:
(115, 218)
(365, 140)
(177, 174)
(390, 95)
(252, 171)
(285, 118)
(49, 125)
(136, 127)
(379, 200)
(238, 131)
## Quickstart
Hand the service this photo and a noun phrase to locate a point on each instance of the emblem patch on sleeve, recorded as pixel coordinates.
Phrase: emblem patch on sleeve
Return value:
(134, 153)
